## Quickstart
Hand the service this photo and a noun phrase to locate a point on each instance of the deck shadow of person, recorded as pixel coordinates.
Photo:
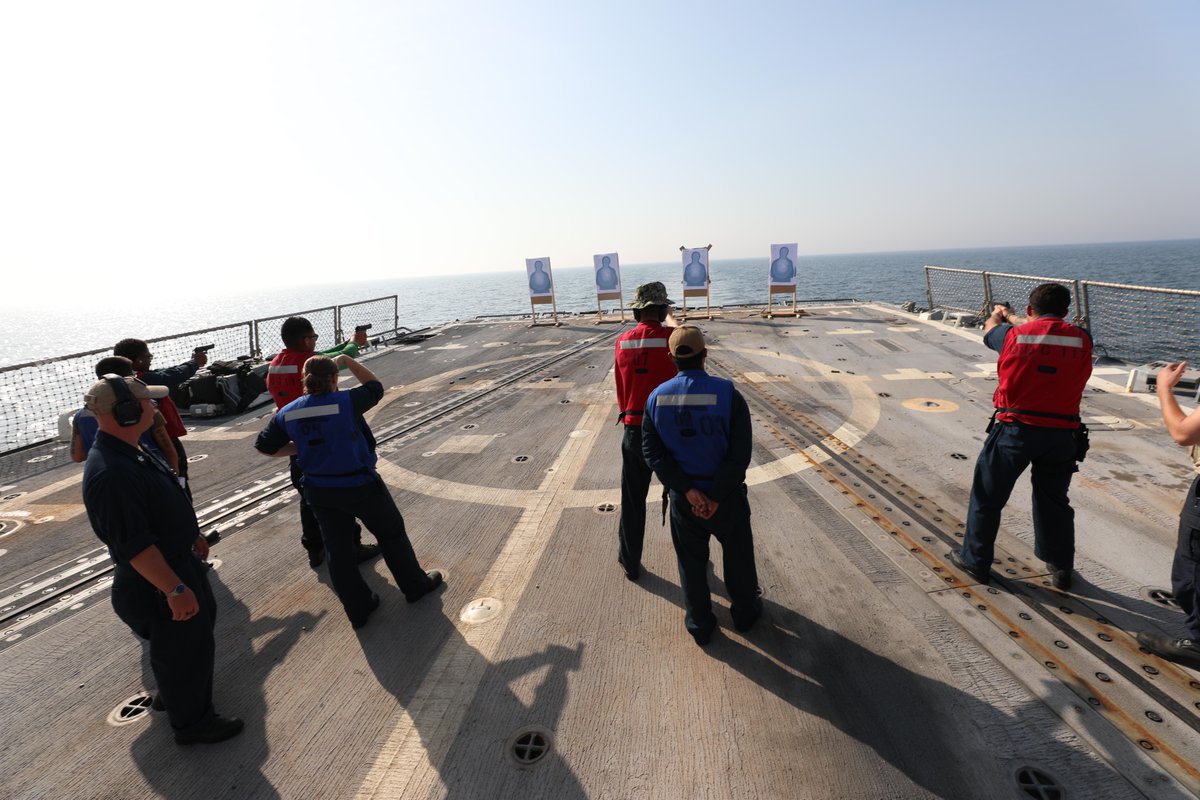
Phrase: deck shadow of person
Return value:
(232, 768)
(494, 713)
(921, 726)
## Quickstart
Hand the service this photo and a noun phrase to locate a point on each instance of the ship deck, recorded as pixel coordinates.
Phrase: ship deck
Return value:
(878, 670)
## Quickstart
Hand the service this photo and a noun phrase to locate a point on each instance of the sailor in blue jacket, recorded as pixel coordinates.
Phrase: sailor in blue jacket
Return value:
(335, 450)
(696, 436)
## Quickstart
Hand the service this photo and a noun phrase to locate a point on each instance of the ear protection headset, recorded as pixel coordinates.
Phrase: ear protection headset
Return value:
(127, 411)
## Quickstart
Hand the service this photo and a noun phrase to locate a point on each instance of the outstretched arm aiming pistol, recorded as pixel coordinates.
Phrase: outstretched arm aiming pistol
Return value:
(356, 369)
(1184, 428)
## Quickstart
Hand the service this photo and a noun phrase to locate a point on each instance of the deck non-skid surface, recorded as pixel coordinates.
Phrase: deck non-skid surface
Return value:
(875, 672)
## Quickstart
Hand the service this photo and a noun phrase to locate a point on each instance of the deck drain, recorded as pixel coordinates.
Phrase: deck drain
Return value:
(428, 453)
(1161, 596)
(194, 459)
(481, 610)
(520, 459)
(131, 710)
(529, 746)
(1038, 784)
(470, 426)
(12, 496)
(605, 508)
(958, 456)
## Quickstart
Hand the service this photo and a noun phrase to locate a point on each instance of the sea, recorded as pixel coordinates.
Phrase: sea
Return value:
(32, 331)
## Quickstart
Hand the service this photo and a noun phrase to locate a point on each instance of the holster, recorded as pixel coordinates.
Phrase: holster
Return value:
(1082, 442)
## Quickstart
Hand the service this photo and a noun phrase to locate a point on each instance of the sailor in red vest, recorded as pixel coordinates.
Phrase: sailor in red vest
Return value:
(642, 363)
(285, 383)
(1043, 368)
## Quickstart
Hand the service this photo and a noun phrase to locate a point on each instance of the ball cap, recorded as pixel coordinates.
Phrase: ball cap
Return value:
(101, 398)
(686, 342)
(651, 294)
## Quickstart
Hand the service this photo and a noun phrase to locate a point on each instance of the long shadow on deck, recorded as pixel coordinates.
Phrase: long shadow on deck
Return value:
(914, 723)
(231, 768)
(471, 758)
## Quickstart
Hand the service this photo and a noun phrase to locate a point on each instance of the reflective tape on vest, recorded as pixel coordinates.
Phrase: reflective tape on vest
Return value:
(1049, 338)
(283, 369)
(312, 411)
(687, 400)
(641, 344)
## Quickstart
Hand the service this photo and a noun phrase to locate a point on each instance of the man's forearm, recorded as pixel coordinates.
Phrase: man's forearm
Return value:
(1183, 428)
(363, 374)
(151, 565)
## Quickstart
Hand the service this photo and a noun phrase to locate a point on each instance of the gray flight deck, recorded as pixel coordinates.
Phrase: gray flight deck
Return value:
(876, 672)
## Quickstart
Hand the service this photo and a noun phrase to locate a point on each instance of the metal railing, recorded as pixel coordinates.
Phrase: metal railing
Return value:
(35, 394)
(1137, 324)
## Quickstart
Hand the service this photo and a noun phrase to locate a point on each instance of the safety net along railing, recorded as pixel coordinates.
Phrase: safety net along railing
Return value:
(37, 393)
(1140, 324)
(268, 341)
(382, 314)
(955, 289)
(977, 291)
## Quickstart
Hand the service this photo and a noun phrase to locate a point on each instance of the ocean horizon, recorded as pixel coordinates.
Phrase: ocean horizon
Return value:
(893, 277)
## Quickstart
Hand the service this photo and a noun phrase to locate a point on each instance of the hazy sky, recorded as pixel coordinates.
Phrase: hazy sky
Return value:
(341, 140)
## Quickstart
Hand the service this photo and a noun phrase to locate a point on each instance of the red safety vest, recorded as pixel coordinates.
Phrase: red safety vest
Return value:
(1043, 368)
(284, 380)
(643, 362)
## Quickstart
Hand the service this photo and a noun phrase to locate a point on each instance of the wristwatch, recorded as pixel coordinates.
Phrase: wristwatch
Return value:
(178, 590)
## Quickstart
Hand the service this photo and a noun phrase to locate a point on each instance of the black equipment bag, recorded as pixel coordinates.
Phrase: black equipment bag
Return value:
(241, 388)
(224, 367)
(199, 389)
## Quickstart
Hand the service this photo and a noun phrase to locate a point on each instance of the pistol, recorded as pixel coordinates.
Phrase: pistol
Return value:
(204, 348)
(362, 328)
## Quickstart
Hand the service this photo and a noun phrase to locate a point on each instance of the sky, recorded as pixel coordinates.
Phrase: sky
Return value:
(306, 142)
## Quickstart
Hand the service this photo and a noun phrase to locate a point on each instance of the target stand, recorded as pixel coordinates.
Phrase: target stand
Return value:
(771, 313)
(602, 296)
(534, 302)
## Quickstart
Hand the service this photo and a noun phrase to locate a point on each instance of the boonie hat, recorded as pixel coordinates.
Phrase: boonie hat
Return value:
(101, 398)
(685, 341)
(651, 294)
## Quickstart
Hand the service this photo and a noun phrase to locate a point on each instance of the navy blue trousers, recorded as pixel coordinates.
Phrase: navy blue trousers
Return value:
(310, 529)
(336, 509)
(690, 535)
(635, 482)
(1185, 570)
(1008, 450)
(181, 653)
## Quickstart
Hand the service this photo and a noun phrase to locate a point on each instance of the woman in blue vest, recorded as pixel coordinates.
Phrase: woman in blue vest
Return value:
(335, 450)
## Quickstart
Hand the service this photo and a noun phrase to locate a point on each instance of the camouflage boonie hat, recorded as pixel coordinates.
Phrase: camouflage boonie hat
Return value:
(651, 294)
